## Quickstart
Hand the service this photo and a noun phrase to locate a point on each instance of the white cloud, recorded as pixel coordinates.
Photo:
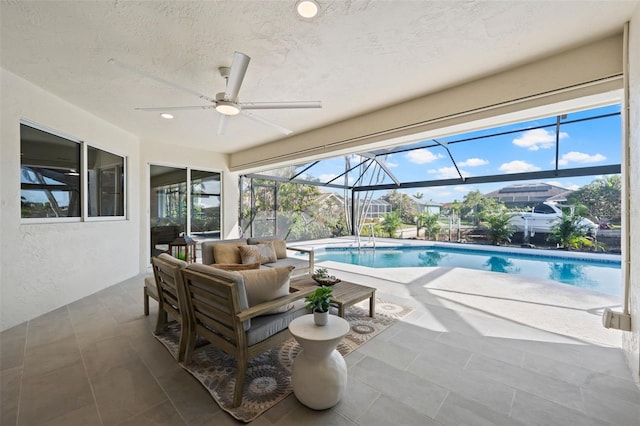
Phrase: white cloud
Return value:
(474, 162)
(390, 164)
(518, 166)
(461, 189)
(579, 157)
(438, 191)
(536, 139)
(447, 173)
(326, 177)
(422, 156)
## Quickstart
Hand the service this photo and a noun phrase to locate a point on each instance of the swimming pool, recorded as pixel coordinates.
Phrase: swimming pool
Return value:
(593, 273)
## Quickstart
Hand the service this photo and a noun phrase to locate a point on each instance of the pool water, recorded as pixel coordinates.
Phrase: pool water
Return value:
(599, 275)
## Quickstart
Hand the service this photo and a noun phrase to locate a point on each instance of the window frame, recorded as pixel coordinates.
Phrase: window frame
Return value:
(84, 186)
(188, 170)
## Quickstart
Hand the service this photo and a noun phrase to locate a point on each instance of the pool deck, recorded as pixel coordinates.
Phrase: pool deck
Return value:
(487, 303)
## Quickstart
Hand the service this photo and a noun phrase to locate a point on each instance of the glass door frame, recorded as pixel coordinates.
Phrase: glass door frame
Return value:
(187, 170)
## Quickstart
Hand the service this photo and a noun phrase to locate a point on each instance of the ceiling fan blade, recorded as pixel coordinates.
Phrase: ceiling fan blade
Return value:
(159, 80)
(266, 122)
(281, 105)
(222, 123)
(236, 75)
(176, 108)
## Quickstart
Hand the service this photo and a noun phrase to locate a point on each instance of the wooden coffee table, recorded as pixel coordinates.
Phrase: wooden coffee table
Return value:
(345, 293)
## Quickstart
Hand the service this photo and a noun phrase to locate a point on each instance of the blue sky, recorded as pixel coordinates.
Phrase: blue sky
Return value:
(582, 144)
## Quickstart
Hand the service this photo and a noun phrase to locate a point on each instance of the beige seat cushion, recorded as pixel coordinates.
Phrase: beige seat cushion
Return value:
(280, 247)
(259, 253)
(263, 285)
(265, 326)
(228, 252)
(236, 266)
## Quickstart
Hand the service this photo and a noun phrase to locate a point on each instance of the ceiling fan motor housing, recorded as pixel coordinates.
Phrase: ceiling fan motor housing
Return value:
(224, 71)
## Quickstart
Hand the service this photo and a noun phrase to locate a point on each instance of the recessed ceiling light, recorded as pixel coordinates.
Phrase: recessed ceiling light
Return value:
(166, 115)
(307, 9)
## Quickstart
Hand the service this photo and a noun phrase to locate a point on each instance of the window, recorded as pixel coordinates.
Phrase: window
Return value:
(51, 183)
(49, 175)
(544, 209)
(105, 181)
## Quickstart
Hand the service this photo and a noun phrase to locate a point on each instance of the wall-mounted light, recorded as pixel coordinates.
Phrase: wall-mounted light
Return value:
(166, 115)
(307, 9)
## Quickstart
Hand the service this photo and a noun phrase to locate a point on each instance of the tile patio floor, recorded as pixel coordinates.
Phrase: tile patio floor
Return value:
(479, 349)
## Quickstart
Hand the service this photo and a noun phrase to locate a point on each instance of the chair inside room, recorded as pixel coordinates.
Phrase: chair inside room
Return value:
(170, 290)
(162, 236)
(219, 312)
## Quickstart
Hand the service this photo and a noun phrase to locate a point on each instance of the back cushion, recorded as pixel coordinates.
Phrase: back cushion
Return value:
(280, 247)
(228, 252)
(229, 277)
(259, 253)
(235, 266)
(263, 285)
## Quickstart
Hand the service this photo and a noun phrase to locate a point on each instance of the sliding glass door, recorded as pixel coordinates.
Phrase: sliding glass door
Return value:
(167, 206)
(205, 204)
(175, 211)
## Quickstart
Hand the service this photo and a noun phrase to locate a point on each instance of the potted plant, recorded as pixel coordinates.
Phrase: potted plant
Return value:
(319, 302)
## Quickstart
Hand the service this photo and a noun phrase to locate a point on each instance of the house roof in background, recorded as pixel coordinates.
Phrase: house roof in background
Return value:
(529, 192)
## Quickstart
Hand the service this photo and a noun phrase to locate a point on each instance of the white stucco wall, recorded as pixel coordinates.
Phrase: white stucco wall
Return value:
(45, 266)
(631, 341)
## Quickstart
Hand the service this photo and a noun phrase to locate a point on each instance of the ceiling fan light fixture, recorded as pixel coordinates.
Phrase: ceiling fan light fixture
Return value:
(307, 9)
(227, 108)
(166, 115)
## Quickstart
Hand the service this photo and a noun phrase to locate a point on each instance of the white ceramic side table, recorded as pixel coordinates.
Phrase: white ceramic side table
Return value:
(319, 373)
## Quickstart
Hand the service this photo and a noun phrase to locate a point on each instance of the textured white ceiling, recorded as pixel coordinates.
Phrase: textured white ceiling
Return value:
(356, 56)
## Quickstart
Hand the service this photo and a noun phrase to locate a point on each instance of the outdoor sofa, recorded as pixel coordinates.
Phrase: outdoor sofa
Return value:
(230, 252)
(229, 255)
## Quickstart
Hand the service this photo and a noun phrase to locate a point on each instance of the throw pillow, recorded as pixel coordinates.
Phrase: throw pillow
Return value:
(259, 253)
(227, 252)
(236, 266)
(263, 285)
(280, 247)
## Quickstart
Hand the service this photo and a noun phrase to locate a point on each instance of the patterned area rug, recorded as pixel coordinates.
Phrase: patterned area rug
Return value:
(268, 378)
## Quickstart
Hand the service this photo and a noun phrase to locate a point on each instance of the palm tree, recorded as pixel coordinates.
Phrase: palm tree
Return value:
(570, 234)
(500, 230)
(391, 222)
(430, 224)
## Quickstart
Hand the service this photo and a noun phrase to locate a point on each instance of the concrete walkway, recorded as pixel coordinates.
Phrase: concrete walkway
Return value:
(513, 299)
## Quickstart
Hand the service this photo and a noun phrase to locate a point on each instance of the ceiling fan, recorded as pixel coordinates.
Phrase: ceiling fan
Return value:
(226, 103)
